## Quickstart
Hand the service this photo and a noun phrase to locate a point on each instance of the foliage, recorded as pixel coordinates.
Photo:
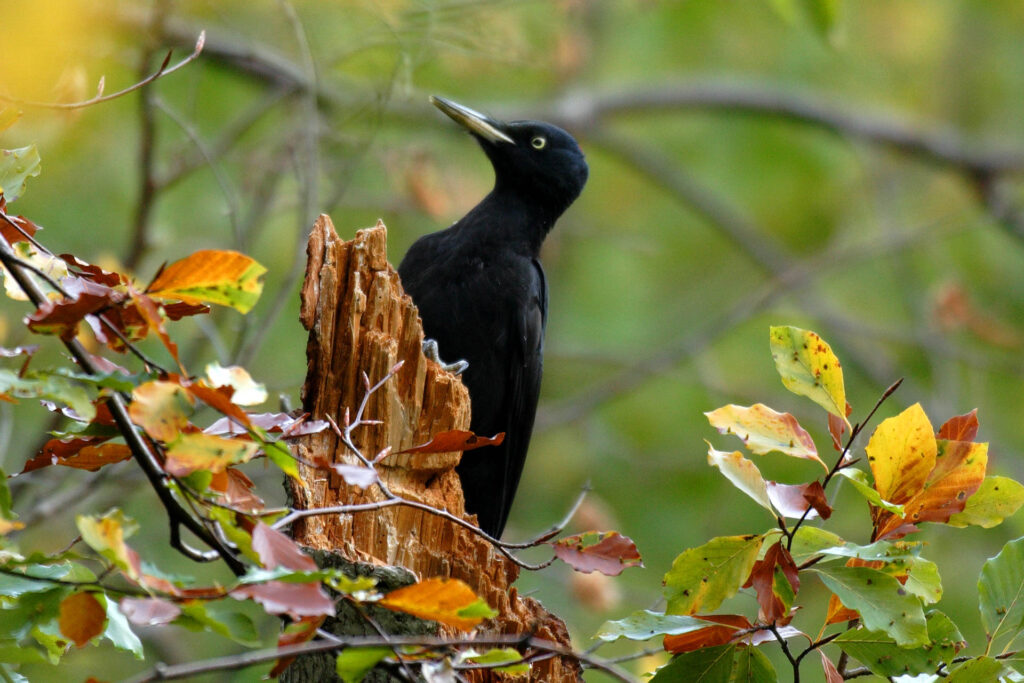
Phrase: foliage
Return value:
(99, 586)
(881, 609)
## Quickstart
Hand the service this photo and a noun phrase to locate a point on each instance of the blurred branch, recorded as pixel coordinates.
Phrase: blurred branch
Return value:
(944, 145)
(139, 243)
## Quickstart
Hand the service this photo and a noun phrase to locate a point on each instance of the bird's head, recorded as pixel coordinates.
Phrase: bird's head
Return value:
(536, 161)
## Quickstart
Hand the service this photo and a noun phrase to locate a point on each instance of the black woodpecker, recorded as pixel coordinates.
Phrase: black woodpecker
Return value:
(481, 293)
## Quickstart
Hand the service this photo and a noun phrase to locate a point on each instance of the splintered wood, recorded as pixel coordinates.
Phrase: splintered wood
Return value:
(360, 321)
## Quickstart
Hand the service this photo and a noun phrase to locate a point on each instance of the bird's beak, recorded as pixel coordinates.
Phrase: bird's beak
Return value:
(473, 121)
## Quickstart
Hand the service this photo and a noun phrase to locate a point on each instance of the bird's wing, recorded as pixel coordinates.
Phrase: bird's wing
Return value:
(524, 377)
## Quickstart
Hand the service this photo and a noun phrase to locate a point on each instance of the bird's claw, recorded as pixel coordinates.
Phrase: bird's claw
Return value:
(430, 351)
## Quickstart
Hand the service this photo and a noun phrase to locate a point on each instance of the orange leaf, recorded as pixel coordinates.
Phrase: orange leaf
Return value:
(901, 453)
(448, 601)
(456, 440)
(960, 428)
(299, 631)
(959, 471)
(707, 637)
(81, 618)
(211, 276)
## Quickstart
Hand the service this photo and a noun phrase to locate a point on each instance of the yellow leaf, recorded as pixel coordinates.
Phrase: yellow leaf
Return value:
(210, 276)
(198, 451)
(161, 408)
(901, 453)
(764, 430)
(809, 368)
(448, 601)
(106, 536)
(743, 474)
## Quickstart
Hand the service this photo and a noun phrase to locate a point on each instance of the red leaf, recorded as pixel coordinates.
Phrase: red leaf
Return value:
(762, 578)
(89, 453)
(814, 494)
(960, 428)
(94, 273)
(149, 611)
(16, 234)
(277, 550)
(608, 552)
(707, 637)
(456, 440)
(297, 600)
(179, 310)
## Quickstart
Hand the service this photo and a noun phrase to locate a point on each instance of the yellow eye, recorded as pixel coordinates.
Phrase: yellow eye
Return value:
(538, 142)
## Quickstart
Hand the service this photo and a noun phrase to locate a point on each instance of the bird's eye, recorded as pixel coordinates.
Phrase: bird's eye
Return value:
(539, 142)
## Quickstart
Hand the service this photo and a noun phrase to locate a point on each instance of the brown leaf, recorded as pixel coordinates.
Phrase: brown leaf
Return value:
(88, 453)
(299, 631)
(81, 618)
(832, 674)
(94, 273)
(608, 552)
(725, 630)
(792, 500)
(960, 428)
(277, 550)
(814, 494)
(61, 316)
(16, 234)
(149, 611)
(456, 440)
(180, 309)
(762, 578)
(297, 600)
(149, 313)
(236, 490)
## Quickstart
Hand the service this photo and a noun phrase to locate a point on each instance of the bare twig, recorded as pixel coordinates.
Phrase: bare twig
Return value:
(164, 70)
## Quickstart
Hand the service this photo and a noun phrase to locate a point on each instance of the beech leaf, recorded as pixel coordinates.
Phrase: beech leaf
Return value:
(456, 440)
(702, 577)
(447, 601)
(902, 453)
(1001, 591)
(16, 167)
(743, 474)
(764, 430)
(227, 278)
(809, 368)
(960, 428)
(297, 600)
(880, 653)
(996, 499)
(646, 624)
(882, 602)
(278, 550)
(198, 451)
(81, 618)
(161, 408)
(606, 552)
(149, 611)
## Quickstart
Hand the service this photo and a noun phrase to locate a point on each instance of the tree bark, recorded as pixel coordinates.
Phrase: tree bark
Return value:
(360, 323)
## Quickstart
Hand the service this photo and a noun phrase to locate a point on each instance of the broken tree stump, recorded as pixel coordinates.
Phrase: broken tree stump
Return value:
(360, 321)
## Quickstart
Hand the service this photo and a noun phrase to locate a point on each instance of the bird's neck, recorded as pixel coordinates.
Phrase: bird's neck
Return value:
(507, 218)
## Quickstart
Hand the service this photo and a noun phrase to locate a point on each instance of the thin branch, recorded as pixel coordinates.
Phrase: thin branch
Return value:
(164, 70)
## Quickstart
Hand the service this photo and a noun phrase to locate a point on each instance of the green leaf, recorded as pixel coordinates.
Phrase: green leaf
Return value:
(1001, 591)
(16, 166)
(706, 665)
(504, 659)
(281, 456)
(701, 578)
(924, 581)
(809, 368)
(859, 479)
(977, 670)
(19, 654)
(646, 624)
(882, 655)
(811, 540)
(220, 617)
(51, 387)
(354, 663)
(996, 499)
(119, 632)
(33, 578)
(884, 604)
(880, 551)
(6, 509)
(751, 665)
(29, 610)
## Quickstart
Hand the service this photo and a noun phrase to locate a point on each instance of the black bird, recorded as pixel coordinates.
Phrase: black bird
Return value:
(481, 293)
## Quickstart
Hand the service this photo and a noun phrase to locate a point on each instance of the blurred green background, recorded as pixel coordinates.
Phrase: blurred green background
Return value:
(752, 163)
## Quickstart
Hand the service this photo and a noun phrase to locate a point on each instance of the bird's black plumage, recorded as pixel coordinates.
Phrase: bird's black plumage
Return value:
(481, 293)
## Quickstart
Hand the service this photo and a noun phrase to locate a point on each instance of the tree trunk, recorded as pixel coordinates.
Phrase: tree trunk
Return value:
(360, 321)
